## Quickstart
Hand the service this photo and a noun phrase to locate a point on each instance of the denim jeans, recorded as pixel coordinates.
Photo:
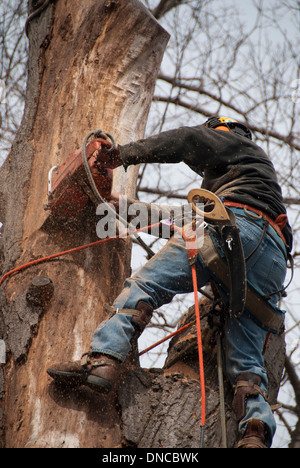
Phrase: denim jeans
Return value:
(168, 273)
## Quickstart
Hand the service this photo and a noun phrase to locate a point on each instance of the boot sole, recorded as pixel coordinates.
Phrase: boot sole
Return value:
(69, 379)
(72, 379)
(99, 384)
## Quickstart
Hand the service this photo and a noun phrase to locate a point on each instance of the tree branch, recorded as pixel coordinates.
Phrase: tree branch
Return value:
(171, 194)
(164, 6)
(254, 128)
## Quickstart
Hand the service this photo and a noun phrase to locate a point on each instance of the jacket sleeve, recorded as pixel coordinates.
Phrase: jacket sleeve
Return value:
(140, 214)
(196, 146)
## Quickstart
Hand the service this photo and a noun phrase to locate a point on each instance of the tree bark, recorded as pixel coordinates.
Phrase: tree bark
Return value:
(90, 66)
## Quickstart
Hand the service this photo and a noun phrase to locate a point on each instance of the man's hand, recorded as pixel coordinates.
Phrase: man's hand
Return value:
(107, 158)
(114, 199)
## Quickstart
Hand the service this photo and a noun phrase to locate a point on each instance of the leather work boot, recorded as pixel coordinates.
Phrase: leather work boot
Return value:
(95, 370)
(254, 436)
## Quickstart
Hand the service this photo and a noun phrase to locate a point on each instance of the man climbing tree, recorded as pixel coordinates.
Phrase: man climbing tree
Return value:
(71, 90)
(242, 176)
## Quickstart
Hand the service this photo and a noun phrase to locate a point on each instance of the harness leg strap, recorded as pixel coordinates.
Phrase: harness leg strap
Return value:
(141, 315)
(247, 385)
(141, 320)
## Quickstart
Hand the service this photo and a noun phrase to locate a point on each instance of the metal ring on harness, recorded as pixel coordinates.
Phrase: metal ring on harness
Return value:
(251, 214)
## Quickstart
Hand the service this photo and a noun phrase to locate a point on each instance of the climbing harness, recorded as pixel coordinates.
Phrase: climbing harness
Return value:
(250, 211)
(254, 215)
(224, 221)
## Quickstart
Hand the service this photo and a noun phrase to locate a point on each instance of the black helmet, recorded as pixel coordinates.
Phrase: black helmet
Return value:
(233, 125)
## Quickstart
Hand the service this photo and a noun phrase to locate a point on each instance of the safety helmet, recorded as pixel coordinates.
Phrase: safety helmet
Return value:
(231, 124)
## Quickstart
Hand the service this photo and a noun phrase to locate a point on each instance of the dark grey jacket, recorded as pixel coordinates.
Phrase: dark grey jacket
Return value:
(234, 167)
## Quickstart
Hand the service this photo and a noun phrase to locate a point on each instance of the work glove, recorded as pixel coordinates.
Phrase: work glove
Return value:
(114, 199)
(107, 157)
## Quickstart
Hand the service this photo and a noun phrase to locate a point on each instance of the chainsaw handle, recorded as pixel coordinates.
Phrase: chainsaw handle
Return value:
(217, 214)
(54, 168)
(108, 146)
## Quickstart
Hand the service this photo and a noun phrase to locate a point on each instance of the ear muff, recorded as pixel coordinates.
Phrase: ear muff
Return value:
(221, 127)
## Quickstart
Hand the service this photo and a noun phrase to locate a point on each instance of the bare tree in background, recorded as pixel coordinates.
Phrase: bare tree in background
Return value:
(13, 59)
(234, 59)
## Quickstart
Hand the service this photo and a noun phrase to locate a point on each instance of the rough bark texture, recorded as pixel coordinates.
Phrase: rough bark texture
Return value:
(92, 65)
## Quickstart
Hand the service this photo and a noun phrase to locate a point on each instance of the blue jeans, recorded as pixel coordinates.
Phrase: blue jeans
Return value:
(168, 273)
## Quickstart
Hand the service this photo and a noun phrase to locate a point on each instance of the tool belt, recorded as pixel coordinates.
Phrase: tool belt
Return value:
(255, 304)
(231, 271)
(278, 224)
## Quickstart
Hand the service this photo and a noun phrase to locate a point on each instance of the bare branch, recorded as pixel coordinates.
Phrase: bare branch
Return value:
(165, 6)
(288, 139)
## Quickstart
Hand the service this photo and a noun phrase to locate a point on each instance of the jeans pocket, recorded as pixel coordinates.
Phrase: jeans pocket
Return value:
(249, 233)
(274, 278)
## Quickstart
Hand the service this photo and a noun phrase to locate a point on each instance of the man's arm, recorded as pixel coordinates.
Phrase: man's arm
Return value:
(140, 214)
(198, 146)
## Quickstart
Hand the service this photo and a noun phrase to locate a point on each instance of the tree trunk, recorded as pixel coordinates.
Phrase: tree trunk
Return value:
(91, 65)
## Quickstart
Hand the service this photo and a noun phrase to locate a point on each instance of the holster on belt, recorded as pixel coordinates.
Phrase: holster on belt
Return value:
(255, 304)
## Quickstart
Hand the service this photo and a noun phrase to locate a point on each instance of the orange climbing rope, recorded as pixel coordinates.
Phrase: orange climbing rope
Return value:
(200, 349)
(192, 252)
(180, 330)
(75, 249)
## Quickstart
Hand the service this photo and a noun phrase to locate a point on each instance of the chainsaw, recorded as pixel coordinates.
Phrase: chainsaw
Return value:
(69, 188)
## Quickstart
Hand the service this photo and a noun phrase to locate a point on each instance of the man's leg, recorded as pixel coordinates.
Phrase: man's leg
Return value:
(245, 367)
(245, 340)
(168, 273)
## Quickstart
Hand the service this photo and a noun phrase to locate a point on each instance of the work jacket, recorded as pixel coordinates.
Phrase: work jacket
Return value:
(234, 167)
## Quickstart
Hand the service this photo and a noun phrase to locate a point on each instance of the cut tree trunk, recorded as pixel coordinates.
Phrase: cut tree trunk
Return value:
(92, 65)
